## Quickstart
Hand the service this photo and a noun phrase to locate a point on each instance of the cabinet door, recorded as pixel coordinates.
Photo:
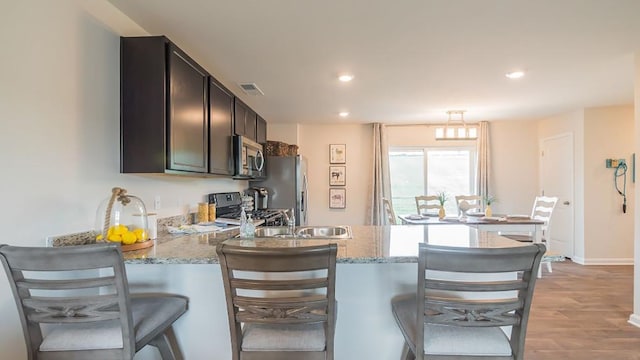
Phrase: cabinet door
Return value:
(220, 129)
(240, 112)
(261, 130)
(250, 124)
(187, 120)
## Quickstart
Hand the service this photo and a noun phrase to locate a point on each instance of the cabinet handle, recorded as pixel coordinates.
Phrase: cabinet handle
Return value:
(566, 203)
(261, 157)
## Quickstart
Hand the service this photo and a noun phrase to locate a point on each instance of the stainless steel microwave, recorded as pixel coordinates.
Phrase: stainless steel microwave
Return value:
(248, 158)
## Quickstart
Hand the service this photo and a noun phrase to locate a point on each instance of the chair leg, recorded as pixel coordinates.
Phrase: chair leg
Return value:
(161, 342)
(407, 354)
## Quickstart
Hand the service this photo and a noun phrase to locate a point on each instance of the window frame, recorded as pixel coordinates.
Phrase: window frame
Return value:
(473, 160)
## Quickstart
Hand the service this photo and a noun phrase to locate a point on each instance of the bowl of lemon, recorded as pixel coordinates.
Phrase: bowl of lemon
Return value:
(122, 218)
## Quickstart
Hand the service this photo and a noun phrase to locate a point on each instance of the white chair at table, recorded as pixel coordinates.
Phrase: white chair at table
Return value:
(542, 210)
(468, 202)
(388, 210)
(424, 203)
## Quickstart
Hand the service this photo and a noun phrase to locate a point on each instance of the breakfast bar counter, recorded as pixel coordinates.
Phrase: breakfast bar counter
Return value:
(375, 264)
(367, 245)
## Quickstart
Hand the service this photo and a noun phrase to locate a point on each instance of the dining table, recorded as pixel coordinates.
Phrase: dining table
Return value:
(501, 224)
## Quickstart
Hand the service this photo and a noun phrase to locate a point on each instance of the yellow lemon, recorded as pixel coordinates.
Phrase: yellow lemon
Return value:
(128, 238)
(99, 237)
(115, 238)
(110, 231)
(120, 229)
(141, 235)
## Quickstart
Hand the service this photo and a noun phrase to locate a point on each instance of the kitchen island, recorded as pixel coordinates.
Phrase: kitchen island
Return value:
(376, 264)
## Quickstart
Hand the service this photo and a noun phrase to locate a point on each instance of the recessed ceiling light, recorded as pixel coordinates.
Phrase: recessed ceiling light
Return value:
(343, 113)
(345, 77)
(515, 74)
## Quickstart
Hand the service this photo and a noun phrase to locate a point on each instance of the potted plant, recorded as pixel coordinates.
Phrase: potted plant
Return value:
(442, 198)
(488, 200)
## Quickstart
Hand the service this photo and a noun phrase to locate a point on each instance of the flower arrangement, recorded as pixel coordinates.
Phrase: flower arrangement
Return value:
(489, 199)
(442, 197)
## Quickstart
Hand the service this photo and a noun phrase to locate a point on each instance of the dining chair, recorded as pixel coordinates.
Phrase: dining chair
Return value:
(388, 210)
(443, 320)
(468, 202)
(74, 303)
(280, 301)
(424, 203)
(542, 210)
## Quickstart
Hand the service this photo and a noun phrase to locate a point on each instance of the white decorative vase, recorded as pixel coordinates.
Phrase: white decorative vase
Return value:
(487, 211)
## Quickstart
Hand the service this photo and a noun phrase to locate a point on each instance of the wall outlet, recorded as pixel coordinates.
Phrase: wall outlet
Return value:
(156, 203)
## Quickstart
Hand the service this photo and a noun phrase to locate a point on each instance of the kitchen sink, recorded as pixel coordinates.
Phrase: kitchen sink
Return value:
(273, 231)
(305, 232)
(326, 232)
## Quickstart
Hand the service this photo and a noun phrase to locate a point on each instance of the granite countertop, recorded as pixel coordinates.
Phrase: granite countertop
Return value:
(369, 244)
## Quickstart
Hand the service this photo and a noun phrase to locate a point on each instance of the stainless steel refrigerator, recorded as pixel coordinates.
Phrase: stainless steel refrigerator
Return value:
(287, 185)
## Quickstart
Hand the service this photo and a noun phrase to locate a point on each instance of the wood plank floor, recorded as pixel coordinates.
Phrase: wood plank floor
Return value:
(581, 312)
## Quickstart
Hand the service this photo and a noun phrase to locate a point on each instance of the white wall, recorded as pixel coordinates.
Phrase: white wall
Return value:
(59, 144)
(602, 234)
(288, 133)
(635, 317)
(514, 165)
(314, 145)
(608, 232)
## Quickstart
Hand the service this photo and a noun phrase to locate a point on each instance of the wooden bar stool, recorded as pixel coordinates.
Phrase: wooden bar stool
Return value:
(280, 301)
(439, 323)
(82, 296)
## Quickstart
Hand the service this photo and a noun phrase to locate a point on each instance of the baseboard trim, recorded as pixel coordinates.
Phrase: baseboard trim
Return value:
(602, 261)
(634, 320)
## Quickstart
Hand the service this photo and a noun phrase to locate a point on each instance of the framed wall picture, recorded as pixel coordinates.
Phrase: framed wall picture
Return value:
(337, 175)
(337, 198)
(338, 154)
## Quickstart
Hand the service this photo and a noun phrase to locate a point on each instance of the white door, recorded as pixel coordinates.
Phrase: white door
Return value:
(557, 175)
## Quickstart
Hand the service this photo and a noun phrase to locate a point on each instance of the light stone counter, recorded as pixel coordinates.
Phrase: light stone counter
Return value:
(376, 264)
(369, 244)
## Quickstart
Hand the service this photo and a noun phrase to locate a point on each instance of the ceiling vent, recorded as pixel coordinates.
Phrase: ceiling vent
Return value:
(251, 89)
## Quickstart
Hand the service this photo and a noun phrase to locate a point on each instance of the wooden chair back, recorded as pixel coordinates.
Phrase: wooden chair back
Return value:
(388, 210)
(424, 203)
(41, 280)
(279, 287)
(468, 202)
(504, 303)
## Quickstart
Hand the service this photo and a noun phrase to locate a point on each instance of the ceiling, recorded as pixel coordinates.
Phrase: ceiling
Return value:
(412, 59)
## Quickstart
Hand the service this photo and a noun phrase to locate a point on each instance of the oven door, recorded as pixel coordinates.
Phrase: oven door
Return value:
(249, 159)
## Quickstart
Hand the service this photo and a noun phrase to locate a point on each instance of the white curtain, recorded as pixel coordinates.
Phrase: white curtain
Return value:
(380, 178)
(484, 163)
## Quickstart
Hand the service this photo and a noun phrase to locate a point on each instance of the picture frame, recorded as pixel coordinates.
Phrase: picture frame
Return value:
(337, 175)
(337, 153)
(337, 198)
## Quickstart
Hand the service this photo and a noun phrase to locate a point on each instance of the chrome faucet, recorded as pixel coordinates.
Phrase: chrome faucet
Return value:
(290, 218)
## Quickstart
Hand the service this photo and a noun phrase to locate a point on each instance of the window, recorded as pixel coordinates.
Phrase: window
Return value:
(427, 171)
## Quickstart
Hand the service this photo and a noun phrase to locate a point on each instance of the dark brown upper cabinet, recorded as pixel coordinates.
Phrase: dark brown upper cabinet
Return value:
(220, 129)
(245, 120)
(164, 108)
(261, 130)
